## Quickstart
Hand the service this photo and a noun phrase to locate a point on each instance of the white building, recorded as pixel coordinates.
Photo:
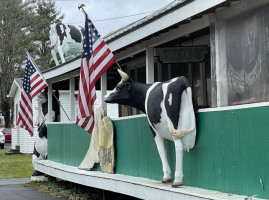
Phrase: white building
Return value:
(20, 137)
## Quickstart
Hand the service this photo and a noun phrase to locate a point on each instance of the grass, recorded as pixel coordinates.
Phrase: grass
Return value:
(73, 191)
(20, 166)
(15, 166)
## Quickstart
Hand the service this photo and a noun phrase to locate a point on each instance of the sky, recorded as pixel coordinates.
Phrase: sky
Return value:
(98, 10)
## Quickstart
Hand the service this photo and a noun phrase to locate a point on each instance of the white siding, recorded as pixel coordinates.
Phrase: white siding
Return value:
(13, 138)
(26, 142)
(14, 141)
(65, 102)
(112, 109)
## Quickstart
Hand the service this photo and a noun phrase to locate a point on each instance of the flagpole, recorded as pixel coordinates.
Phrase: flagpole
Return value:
(29, 56)
(81, 7)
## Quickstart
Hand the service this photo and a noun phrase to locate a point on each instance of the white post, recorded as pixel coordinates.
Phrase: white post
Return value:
(49, 102)
(18, 138)
(39, 114)
(18, 128)
(72, 98)
(149, 65)
(221, 68)
(104, 90)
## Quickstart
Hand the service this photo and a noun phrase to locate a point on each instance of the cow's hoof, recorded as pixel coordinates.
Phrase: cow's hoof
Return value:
(177, 184)
(166, 180)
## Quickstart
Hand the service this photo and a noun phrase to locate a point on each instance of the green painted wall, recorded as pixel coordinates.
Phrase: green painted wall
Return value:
(231, 152)
(67, 143)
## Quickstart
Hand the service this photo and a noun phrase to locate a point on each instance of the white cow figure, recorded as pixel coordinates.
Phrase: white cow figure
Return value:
(170, 114)
(65, 38)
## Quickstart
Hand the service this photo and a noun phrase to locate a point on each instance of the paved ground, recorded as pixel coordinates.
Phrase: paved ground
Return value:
(12, 189)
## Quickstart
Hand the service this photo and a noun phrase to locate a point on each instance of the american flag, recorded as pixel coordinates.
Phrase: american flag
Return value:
(33, 83)
(96, 59)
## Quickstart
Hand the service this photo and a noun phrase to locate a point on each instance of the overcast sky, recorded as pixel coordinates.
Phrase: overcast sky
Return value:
(107, 9)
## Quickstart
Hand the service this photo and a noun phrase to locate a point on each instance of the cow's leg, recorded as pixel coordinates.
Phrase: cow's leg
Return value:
(53, 53)
(179, 163)
(162, 152)
(61, 54)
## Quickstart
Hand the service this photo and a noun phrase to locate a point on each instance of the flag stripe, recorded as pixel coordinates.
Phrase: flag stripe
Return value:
(40, 88)
(33, 83)
(96, 59)
(27, 108)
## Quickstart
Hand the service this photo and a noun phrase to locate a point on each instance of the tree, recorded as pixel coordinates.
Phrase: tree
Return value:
(22, 26)
(15, 19)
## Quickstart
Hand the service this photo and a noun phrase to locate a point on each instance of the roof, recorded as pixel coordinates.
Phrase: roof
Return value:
(175, 14)
(17, 84)
(146, 19)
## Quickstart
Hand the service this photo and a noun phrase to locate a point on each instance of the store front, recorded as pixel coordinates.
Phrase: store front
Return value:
(222, 48)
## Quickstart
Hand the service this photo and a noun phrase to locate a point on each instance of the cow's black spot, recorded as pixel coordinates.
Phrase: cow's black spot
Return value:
(35, 152)
(60, 33)
(175, 90)
(153, 105)
(37, 173)
(42, 130)
(75, 34)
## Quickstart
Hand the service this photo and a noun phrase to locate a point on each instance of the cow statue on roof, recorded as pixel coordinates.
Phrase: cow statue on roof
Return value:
(65, 38)
(170, 114)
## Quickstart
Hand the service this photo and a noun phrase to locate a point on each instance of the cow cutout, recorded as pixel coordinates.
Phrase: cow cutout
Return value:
(169, 109)
(41, 143)
(65, 38)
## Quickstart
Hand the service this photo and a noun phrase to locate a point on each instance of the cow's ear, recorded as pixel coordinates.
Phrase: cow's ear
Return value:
(128, 85)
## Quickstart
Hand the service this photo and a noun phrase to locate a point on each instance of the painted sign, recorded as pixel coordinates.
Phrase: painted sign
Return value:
(181, 54)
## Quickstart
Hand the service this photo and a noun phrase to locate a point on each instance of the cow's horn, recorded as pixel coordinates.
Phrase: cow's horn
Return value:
(123, 75)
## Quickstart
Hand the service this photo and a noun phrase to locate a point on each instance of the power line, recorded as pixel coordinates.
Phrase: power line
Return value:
(98, 20)
(113, 18)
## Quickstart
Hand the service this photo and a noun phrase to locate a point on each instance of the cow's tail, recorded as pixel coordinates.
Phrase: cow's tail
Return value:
(189, 139)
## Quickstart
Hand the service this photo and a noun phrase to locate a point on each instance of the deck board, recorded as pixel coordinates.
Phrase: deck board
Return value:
(143, 188)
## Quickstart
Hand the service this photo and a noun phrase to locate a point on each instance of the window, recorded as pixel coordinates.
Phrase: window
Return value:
(137, 71)
(243, 74)
(198, 73)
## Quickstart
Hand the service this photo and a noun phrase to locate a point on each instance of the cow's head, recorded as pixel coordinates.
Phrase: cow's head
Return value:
(42, 97)
(122, 92)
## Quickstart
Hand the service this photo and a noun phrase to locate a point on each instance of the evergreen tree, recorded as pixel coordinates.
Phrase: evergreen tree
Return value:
(23, 26)
(15, 19)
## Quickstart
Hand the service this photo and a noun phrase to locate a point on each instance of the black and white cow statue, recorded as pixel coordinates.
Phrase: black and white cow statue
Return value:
(169, 109)
(65, 38)
(40, 146)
